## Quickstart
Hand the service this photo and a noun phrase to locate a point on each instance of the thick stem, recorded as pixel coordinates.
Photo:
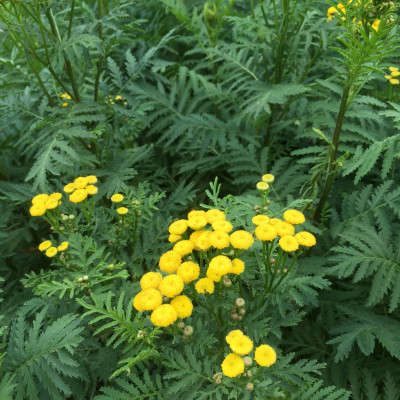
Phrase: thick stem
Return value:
(100, 61)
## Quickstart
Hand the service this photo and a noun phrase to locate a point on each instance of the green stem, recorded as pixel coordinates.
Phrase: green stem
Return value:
(100, 61)
(284, 274)
(71, 16)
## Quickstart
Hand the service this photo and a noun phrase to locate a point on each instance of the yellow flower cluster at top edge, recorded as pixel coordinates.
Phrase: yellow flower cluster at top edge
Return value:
(198, 240)
(393, 77)
(241, 345)
(80, 188)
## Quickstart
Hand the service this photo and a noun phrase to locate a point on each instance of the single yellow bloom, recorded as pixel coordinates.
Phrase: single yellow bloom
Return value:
(80, 182)
(237, 266)
(63, 246)
(117, 198)
(241, 239)
(224, 226)
(171, 285)
(55, 196)
(262, 186)
(65, 104)
(170, 261)
(232, 335)
(233, 365)
(266, 232)
(78, 195)
(118, 97)
(394, 81)
(69, 188)
(91, 189)
(188, 271)
(269, 178)
(395, 74)
(164, 315)
(288, 243)
(91, 179)
(388, 77)
(148, 299)
(174, 238)
(294, 217)
(51, 252)
(178, 227)
(183, 306)
(260, 219)
(51, 204)
(391, 69)
(151, 280)
(44, 245)
(204, 285)
(265, 355)
(122, 210)
(183, 247)
(241, 345)
(40, 199)
(37, 210)
(306, 239)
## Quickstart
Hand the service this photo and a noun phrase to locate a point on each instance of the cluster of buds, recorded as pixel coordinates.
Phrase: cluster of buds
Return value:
(186, 330)
(226, 281)
(141, 334)
(83, 279)
(217, 378)
(237, 310)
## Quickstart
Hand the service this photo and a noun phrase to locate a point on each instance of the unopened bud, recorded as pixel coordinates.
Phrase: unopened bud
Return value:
(110, 266)
(284, 271)
(188, 331)
(262, 186)
(141, 334)
(242, 311)
(80, 279)
(248, 361)
(181, 325)
(249, 373)
(85, 277)
(64, 217)
(268, 178)
(240, 317)
(217, 381)
(165, 298)
(227, 282)
(249, 387)
(272, 260)
(240, 302)
(234, 316)
(217, 375)
(71, 216)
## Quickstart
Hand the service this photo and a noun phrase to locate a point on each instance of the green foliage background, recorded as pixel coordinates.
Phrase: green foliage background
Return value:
(225, 88)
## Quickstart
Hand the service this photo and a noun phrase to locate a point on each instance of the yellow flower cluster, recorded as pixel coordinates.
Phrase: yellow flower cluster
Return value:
(393, 77)
(118, 98)
(43, 202)
(210, 230)
(267, 229)
(80, 188)
(51, 250)
(241, 345)
(65, 96)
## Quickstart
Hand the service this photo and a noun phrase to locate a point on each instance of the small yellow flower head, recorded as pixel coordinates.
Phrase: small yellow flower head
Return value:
(122, 210)
(220, 265)
(274, 221)
(51, 252)
(375, 24)
(170, 261)
(37, 210)
(233, 365)
(232, 335)
(213, 275)
(395, 74)
(394, 81)
(91, 179)
(388, 77)
(117, 198)
(215, 215)
(183, 306)
(219, 239)
(171, 286)
(188, 271)
(174, 238)
(268, 178)
(151, 280)
(63, 246)
(241, 345)
(65, 104)
(178, 227)
(266, 232)
(306, 239)
(91, 189)
(51, 204)
(164, 315)
(284, 229)
(392, 69)
(184, 247)
(237, 266)
(197, 222)
(288, 243)
(241, 239)
(260, 219)
(204, 285)
(78, 195)
(265, 355)
(44, 245)
(80, 182)
(294, 217)
(40, 199)
(223, 226)
(204, 242)
(63, 96)
(197, 213)
(118, 98)
(262, 186)
(194, 236)
(55, 196)
(69, 188)
(148, 299)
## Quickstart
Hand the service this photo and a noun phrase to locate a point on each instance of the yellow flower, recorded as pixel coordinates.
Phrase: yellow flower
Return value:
(63, 246)
(91, 179)
(392, 69)
(170, 261)
(197, 222)
(204, 285)
(394, 81)
(183, 306)
(188, 271)
(388, 77)
(305, 239)
(375, 24)
(183, 247)
(266, 232)
(233, 365)
(148, 299)
(91, 189)
(63, 96)
(178, 227)
(395, 74)
(118, 97)
(78, 195)
(55, 196)
(69, 188)
(274, 221)
(44, 245)
(51, 252)
(223, 226)
(213, 275)
(288, 243)
(51, 204)
(260, 219)
(268, 178)
(241, 239)
(262, 186)
(117, 198)
(220, 265)
(232, 335)
(204, 241)
(194, 236)
(241, 345)
(294, 217)
(122, 210)
(151, 280)
(164, 315)
(174, 238)
(171, 285)
(265, 355)
(37, 209)
(196, 213)
(80, 182)
(237, 266)
(40, 199)
(284, 229)
(219, 239)
(215, 215)
(65, 104)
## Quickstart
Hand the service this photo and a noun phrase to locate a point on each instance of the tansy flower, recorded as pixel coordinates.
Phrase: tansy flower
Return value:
(118, 97)
(265, 355)
(164, 315)
(80, 182)
(194, 236)
(183, 306)
(204, 285)
(305, 239)
(260, 219)
(213, 275)
(233, 334)
(392, 69)
(268, 178)
(91, 179)
(204, 241)
(188, 271)
(50, 204)
(288, 243)
(375, 24)
(219, 239)
(184, 247)
(51, 252)
(170, 261)
(148, 299)
(78, 195)
(233, 365)
(237, 266)
(37, 210)
(197, 213)
(274, 221)
(178, 227)
(44, 245)
(215, 215)
(69, 188)
(65, 104)
(174, 238)
(55, 196)
(117, 198)
(220, 265)
(63, 246)
(223, 226)
(40, 199)
(91, 189)
(262, 186)
(197, 222)
(122, 210)
(294, 217)
(394, 81)
(171, 286)
(151, 280)
(241, 239)
(266, 232)
(284, 229)
(241, 345)
(395, 74)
